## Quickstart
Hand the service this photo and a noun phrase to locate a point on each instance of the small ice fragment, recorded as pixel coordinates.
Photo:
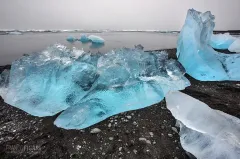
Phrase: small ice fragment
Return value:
(129, 116)
(222, 41)
(71, 39)
(95, 131)
(142, 139)
(205, 132)
(235, 46)
(96, 39)
(151, 134)
(175, 129)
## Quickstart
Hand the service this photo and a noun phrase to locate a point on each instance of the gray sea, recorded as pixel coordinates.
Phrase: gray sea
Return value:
(14, 46)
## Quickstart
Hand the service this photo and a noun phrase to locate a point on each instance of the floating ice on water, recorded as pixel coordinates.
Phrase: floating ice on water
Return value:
(84, 39)
(197, 57)
(15, 33)
(91, 87)
(96, 39)
(235, 46)
(222, 41)
(205, 132)
(71, 39)
(96, 45)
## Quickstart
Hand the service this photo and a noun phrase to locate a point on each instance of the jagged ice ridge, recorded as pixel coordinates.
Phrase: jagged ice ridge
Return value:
(199, 59)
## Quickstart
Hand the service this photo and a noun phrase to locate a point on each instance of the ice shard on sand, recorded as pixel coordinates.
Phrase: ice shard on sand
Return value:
(90, 87)
(205, 132)
(198, 57)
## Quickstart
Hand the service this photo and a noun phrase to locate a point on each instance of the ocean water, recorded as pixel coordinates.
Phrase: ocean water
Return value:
(14, 46)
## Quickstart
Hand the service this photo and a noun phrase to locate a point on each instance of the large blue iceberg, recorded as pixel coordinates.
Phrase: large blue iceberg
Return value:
(199, 59)
(90, 87)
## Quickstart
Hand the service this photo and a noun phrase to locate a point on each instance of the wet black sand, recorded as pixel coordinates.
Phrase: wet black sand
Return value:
(142, 134)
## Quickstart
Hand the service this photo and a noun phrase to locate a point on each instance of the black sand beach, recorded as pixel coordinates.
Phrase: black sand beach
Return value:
(148, 133)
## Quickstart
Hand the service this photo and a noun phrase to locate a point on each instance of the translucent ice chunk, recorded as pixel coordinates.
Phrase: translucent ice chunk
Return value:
(124, 84)
(44, 83)
(235, 46)
(204, 132)
(222, 41)
(102, 103)
(197, 57)
(91, 87)
(96, 39)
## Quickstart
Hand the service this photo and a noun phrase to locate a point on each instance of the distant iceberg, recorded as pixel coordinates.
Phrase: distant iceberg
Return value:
(90, 87)
(84, 39)
(205, 132)
(15, 33)
(71, 39)
(198, 57)
(96, 39)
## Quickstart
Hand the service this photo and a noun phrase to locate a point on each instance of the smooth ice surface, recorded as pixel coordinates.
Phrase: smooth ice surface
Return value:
(205, 132)
(96, 39)
(91, 87)
(222, 41)
(235, 46)
(84, 39)
(198, 57)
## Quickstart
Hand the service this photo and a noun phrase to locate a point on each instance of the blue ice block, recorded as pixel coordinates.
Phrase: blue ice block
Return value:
(198, 57)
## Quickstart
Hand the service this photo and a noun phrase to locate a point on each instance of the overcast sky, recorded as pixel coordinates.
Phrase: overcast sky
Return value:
(113, 14)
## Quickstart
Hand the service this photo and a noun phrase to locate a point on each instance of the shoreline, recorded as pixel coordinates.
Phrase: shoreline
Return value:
(147, 133)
